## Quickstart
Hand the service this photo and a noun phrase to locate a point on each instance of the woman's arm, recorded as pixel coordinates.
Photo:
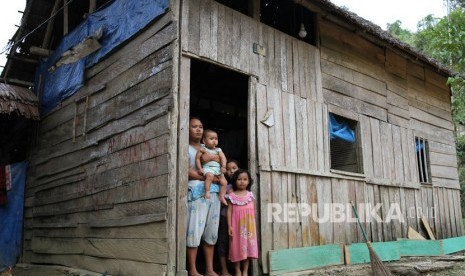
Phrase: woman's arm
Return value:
(198, 164)
(195, 175)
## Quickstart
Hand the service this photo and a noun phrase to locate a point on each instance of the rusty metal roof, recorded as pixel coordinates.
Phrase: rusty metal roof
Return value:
(19, 100)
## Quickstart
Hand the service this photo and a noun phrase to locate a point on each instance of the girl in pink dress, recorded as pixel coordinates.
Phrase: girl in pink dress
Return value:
(241, 222)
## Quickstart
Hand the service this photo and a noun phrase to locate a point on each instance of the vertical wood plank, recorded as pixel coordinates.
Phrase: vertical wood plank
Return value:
(263, 61)
(451, 204)
(394, 198)
(319, 137)
(270, 54)
(236, 36)
(385, 201)
(185, 26)
(266, 226)
(229, 36)
(183, 141)
(313, 200)
(292, 130)
(262, 130)
(312, 141)
(255, 37)
(289, 64)
(194, 27)
(295, 235)
(366, 145)
(459, 215)
(310, 69)
(351, 228)
(278, 127)
(405, 154)
(405, 212)
(411, 207)
(287, 135)
(412, 156)
(302, 60)
(326, 155)
(318, 78)
(205, 28)
(295, 67)
(361, 201)
(301, 123)
(398, 156)
(446, 217)
(339, 192)
(251, 133)
(376, 142)
(303, 194)
(245, 45)
(214, 31)
(323, 187)
(386, 149)
(370, 201)
(379, 235)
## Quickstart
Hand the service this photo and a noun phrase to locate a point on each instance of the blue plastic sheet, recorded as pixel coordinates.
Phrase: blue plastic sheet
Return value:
(120, 20)
(11, 217)
(340, 130)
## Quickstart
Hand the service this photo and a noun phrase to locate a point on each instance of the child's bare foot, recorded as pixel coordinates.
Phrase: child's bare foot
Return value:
(223, 200)
(207, 194)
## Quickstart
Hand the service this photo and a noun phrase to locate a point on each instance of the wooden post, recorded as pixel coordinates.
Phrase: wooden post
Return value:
(65, 17)
(92, 5)
(254, 9)
(48, 32)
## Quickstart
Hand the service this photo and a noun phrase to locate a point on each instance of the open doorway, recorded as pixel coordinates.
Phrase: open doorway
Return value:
(219, 97)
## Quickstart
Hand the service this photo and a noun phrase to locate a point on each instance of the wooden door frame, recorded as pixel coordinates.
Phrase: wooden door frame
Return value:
(183, 141)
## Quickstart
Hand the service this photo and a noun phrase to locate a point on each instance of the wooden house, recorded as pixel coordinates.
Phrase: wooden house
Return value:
(106, 188)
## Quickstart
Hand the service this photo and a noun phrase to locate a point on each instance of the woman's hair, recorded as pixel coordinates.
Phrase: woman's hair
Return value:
(236, 175)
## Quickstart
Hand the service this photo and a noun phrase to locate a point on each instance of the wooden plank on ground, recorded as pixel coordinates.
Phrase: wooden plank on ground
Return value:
(453, 245)
(296, 259)
(420, 248)
(386, 251)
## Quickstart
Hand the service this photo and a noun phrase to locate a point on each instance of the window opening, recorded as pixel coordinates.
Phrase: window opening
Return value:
(344, 144)
(423, 162)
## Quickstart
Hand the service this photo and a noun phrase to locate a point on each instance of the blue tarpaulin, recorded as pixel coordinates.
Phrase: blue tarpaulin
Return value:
(120, 19)
(11, 217)
(340, 130)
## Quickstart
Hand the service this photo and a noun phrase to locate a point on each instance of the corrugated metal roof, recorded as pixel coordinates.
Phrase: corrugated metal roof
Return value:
(19, 100)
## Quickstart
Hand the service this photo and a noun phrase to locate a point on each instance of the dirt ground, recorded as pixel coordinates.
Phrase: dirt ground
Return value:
(451, 265)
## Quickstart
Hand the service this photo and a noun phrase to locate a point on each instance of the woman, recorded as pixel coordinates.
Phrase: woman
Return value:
(202, 214)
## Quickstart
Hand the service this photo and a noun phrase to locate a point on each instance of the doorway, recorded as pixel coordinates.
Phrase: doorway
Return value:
(219, 97)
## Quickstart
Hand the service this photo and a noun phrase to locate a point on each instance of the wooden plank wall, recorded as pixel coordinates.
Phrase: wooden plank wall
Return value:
(97, 193)
(393, 100)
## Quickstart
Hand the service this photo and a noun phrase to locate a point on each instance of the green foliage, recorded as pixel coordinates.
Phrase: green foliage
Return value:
(400, 33)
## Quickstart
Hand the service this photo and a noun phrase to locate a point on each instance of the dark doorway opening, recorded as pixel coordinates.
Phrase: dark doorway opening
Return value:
(219, 97)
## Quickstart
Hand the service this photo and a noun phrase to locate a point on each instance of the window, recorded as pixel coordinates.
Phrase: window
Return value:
(423, 164)
(344, 144)
(242, 6)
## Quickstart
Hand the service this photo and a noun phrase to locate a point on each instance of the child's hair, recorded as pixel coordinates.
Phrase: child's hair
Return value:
(208, 131)
(236, 175)
(233, 161)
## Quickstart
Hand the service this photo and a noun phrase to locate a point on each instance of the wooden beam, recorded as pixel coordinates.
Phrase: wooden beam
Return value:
(254, 9)
(65, 17)
(48, 32)
(42, 52)
(92, 5)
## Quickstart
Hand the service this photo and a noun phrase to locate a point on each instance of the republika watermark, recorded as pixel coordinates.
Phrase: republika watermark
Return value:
(338, 212)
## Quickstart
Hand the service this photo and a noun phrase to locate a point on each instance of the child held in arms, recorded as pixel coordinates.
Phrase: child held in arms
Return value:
(212, 168)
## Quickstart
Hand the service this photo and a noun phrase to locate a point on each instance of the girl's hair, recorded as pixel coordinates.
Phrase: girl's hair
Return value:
(233, 161)
(236, 175)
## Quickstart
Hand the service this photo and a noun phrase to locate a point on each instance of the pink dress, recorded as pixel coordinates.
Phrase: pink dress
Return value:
(243, 243)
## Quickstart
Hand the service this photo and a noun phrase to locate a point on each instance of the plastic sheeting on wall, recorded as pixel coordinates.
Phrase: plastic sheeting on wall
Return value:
(119, 19)
(340, 130)
(11, 217)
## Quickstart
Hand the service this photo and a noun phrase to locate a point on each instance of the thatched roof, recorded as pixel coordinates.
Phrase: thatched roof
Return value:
(19, 100)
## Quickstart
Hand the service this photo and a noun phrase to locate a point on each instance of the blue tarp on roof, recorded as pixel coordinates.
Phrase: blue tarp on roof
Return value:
(340, 130)
(11, 217)
(120, 19)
